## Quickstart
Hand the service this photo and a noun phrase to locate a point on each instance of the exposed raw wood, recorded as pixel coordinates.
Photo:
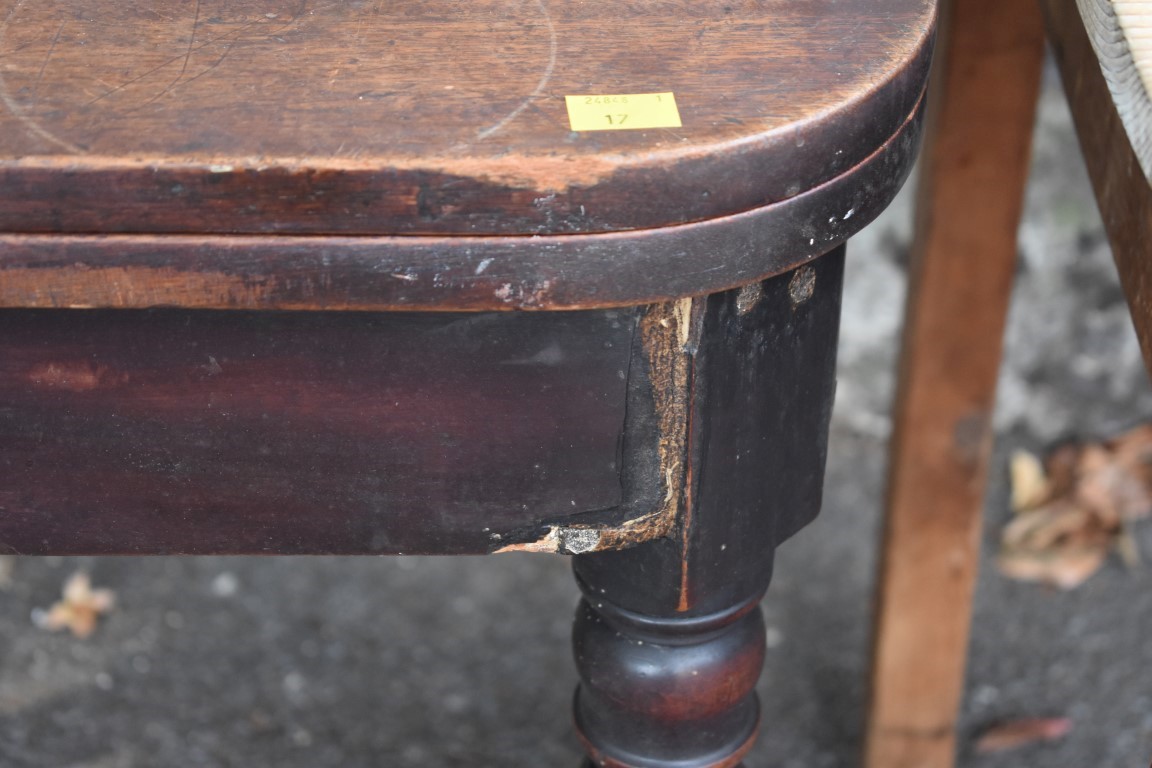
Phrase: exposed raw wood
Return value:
(1123, 193)
(669, 639)
(1121, 34)
(974, 170)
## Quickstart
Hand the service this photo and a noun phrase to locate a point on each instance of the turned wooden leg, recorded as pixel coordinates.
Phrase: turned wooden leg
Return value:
(659, 690)
(669, 638)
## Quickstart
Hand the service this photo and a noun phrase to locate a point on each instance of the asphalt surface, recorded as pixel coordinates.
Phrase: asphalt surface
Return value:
(411, 662)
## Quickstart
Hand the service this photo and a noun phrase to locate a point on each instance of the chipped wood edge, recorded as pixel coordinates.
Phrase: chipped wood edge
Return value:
(666, 332)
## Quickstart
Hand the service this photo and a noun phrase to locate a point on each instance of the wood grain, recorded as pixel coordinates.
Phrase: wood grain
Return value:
(176, 431)
(1135, 17)
(453, 273)
(433, 116)
(974, 171)
(1123, 193)
(1121, 35)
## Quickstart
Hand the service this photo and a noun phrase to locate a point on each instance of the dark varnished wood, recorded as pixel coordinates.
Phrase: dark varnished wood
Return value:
(199, 432)
(433, 116)
(458, 273)
(415, 155)
(669, 639)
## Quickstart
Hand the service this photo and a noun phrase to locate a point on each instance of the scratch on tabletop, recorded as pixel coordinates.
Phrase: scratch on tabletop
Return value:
(30, 124)
(553, 45)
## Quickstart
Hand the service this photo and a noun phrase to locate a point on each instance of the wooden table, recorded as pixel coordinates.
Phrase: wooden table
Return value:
(260, 264)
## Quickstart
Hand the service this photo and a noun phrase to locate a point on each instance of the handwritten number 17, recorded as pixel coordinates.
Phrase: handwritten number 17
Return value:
(616, 119)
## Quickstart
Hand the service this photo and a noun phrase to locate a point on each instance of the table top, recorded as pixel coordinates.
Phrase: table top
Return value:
(434, 116)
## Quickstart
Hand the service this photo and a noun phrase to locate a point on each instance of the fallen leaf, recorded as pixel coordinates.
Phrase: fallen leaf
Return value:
(1030, 486)
(79, 609)
(1011, 734)
(1073, 511)
(1066, 568)
(1060, 544)
(1061, 468)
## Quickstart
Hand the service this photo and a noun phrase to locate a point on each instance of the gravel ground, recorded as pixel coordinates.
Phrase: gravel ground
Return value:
(408, 662)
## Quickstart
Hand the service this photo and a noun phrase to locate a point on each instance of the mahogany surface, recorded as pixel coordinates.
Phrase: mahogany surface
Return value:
(452, 273)
(341, 162)
(207, 432)
(435, 116)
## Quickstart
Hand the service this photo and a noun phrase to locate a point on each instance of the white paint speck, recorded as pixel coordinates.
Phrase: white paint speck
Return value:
(483, 265)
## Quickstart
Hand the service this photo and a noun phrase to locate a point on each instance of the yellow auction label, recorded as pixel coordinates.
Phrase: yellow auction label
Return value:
(622, 111)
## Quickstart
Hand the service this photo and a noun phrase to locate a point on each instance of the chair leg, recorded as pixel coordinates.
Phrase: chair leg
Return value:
(974, 169)
(669, 638)
(1123, 192)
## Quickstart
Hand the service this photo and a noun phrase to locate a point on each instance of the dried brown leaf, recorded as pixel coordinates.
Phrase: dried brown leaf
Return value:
(1065, 568)
(1018, 733)
(1050, 526)
(79, 609)
(1106, 488)
(1072, 513)
(1061, 467)
(1030, 486)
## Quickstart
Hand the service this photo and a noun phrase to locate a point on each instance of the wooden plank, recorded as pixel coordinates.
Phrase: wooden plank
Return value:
(176, 431)
(452, 273)
(974, 170)
(435, 116)
(1123, 193)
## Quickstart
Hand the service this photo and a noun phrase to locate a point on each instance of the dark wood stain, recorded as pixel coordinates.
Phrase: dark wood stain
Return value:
(368, 189)
(198, 432)
(669, 638)
(252, 116)
(454, 273)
